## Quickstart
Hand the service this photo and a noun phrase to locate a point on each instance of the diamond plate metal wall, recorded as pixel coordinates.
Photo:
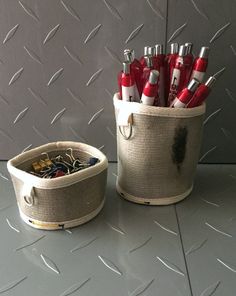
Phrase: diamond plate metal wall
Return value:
(212, 23)
(59, 61)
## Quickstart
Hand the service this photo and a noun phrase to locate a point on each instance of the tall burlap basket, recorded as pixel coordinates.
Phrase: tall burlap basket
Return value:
(158, 150)
(61, 202)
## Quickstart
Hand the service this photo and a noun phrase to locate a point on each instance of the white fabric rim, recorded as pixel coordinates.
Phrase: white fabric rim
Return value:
(159, 201)
(64, 181)
(139, 108)
(66, 224)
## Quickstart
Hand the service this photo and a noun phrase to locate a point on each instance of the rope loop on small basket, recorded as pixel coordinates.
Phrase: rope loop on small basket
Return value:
(29, 200)
(28, 195)
(122, 131)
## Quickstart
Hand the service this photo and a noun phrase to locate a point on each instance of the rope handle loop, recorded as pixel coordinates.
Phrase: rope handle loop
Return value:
(123, 133)
(28, 195)
(124, 122)
(29, 200)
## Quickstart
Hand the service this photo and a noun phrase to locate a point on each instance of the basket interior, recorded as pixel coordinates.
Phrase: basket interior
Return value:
(27, 164)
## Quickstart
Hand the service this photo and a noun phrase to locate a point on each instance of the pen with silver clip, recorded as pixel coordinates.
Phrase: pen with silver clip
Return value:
(185, 95)
(189, 62)
(142, 59)
(204, 90)
(136, 71)
(178, 75)
(159, 65)
(169, 66)
(200, 64)
(127, 84)
(150, 89)
(201, 93)
(146, 70)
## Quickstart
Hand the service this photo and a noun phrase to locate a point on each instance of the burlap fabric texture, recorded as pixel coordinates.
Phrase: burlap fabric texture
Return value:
(158, 151)
(61, 202)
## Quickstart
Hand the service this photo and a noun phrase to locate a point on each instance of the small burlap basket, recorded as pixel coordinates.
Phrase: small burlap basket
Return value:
(61, 202)
(158, 150)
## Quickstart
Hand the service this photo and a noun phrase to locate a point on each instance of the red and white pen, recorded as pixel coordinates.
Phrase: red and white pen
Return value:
(188, 61)
(158, 56)
(119, 83)
(178, 75)
(127, 84)
(159, 65)
(142, 59)
(146, 70)
(150, 89)
(151, 54)
(200, 64)
(185, 95)
(201, 93)
(169, 66)
(189, 54)
(136, 71)
(151, 51)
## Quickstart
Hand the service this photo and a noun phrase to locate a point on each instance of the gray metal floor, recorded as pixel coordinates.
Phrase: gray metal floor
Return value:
(187, 249)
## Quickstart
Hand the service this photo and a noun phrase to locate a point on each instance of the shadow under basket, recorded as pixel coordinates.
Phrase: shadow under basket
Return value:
(61, 202)
(158, 151)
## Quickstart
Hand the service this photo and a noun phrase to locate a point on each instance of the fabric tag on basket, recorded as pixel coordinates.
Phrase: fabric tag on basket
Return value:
(124, 118)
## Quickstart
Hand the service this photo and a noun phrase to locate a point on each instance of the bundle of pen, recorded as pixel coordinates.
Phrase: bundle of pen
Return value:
(166, 80)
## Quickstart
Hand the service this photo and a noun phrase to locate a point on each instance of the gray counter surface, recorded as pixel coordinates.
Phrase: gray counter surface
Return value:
(128, 249)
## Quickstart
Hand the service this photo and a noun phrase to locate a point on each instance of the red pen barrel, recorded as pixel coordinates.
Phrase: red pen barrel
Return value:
(182, 99)
(201, 93)
(178, 78)
(159, 65)
(142, 59)
(119, 83)
(200, 64)
(127, 84)
(158, 57)
(185, 95)
(150, 90)
(170, 60)
(135, 70)
(199, 97)
(146, 71)
(188, 62)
